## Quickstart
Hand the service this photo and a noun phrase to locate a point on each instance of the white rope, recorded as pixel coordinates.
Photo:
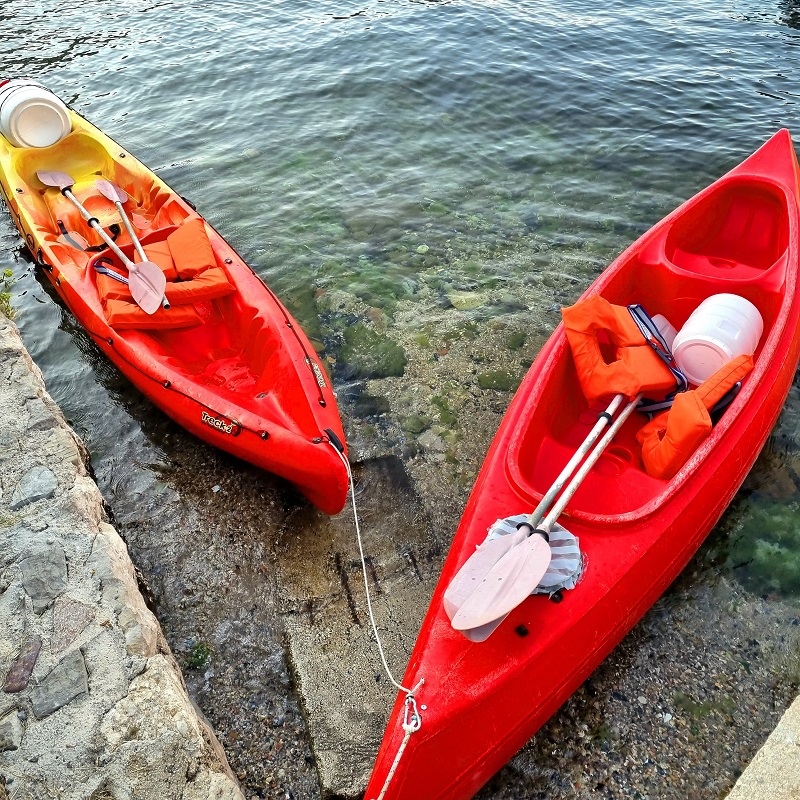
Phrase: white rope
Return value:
(412, 721)
(366, 581)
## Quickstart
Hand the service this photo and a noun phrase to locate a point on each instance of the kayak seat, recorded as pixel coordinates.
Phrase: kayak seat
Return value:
(187, 260)
(744, 233)
(125, 314)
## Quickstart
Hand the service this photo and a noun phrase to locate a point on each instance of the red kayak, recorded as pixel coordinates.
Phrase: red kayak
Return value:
(168, 300)
(481, 701)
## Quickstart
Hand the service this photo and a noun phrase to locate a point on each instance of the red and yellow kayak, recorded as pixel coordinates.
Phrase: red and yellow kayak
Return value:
(483, 700)
(226, 360)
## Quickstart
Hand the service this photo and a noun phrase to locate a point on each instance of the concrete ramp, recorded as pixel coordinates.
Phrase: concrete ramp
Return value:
(345, 693)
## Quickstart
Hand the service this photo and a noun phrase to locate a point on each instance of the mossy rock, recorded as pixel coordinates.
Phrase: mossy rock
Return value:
(466, 301)
(446, 415)
(367, 354)
(503, 381)
(768, 545)
(415, 424)
(516, 340)
(368, 405)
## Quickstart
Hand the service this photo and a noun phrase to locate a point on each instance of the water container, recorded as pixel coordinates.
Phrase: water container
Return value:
(721, 328)
(31, 115)
(666, 329)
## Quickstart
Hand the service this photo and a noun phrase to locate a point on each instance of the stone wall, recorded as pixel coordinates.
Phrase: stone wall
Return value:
(92, 704)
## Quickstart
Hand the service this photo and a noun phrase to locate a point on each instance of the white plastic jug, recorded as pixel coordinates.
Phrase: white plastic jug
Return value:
(31, 115)
(721, 328)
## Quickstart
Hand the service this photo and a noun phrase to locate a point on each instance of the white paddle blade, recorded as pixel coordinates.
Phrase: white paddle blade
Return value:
(475, 569)
(506, 585)
(147, 284)
(54, 178)
(482, 633)
(110, 190)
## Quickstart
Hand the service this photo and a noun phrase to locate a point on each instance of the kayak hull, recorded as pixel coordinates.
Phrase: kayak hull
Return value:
(236, 369)
(483, 701)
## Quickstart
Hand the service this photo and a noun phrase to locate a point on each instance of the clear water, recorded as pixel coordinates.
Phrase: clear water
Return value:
(411, 154)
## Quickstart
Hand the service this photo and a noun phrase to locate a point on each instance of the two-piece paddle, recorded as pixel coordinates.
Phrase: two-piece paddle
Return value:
(118, 196)
(519, 571)
(146, 280)
(478, 565)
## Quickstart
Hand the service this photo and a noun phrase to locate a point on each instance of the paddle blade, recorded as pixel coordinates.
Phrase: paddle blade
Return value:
(53, 178)
(475, 569)
(506, 584)
(147, 283)
(110, 190)
(482, 633)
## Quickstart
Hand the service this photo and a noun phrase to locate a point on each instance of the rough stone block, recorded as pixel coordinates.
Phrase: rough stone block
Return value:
(11, 731)
(38, 483)
(44, 576)
(66, 681)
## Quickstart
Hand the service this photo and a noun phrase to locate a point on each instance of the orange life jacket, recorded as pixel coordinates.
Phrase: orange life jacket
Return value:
(187, 259)
(611, 354)
(670, 438)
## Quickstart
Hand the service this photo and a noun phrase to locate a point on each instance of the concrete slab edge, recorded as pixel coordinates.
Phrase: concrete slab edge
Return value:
(774, 772)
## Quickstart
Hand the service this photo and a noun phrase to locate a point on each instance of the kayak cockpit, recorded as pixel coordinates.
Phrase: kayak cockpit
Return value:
(744, 233)
(733, 238)
(84, 158)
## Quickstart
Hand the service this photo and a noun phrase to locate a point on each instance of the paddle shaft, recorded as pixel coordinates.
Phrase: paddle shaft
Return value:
(577, 480)
(128, 227)
(603, 420)
(95, 224)
(135, 239)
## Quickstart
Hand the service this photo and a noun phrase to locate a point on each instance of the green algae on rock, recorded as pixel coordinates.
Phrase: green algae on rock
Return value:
(367, 354)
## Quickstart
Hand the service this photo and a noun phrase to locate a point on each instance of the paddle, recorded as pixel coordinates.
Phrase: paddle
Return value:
(519, 571)
(146, 280)
(119, 196)
(478, 565)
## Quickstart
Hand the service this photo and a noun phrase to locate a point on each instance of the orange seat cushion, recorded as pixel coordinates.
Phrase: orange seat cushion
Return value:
(208, 285)
(191, 249)
(159, 253)
(121, 314)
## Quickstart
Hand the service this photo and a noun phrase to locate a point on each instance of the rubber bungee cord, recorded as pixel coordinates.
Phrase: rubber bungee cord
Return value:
(412, 720)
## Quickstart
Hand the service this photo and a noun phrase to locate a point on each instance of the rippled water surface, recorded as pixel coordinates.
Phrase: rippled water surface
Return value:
(444, 168)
